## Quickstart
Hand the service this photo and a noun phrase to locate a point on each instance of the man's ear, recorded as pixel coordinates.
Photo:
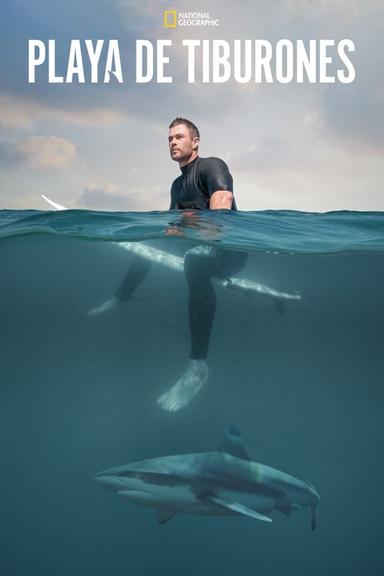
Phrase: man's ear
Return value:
(196, 142)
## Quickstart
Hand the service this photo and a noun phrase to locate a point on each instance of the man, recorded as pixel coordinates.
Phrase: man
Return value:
(204, 183)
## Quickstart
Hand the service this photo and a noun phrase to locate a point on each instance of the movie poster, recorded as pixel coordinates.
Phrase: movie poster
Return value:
(191, 231)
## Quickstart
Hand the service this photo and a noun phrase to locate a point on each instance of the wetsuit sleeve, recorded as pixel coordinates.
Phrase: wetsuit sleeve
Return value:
(216, 175)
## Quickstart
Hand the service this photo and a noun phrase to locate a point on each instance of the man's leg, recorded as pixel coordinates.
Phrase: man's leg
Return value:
(201, 264)
(200, 269)
(137, 271)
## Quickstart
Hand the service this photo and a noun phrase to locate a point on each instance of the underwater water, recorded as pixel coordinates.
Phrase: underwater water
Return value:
(302, 382)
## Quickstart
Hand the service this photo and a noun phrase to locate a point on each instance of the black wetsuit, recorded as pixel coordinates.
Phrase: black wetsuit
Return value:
(192, 191)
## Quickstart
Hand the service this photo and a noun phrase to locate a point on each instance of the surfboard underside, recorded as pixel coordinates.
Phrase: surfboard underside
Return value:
(248, 287)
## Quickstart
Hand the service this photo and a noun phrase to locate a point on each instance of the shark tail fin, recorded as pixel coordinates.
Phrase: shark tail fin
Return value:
(314, 516)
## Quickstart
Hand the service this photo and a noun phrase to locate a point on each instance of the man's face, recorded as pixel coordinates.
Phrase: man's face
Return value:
(181, 146)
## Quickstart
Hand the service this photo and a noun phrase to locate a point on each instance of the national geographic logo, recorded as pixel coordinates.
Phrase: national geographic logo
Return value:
(170, 18)
(173, 18)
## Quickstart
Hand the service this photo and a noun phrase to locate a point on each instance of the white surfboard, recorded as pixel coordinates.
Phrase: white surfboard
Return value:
(177, 263)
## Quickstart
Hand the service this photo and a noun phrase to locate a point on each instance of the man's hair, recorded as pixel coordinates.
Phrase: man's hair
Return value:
(193, 130)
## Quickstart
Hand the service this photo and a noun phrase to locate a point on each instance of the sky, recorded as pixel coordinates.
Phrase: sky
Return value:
(310, 147)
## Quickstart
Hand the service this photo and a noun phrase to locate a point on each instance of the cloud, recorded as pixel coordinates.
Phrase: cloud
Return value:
(110, 196)
(304, 147)
(46, 153)
(103, 197)
(24, 114)
(316, 177)
(9, 156)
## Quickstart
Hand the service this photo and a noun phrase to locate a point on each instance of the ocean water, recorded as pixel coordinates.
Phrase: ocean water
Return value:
(304, 385)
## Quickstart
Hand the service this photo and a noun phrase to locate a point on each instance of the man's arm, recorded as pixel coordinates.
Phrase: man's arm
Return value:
(221, 200)
(219, 183)
(175, 186)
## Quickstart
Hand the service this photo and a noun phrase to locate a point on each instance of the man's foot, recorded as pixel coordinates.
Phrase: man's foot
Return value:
(186, 387)
(104, 307)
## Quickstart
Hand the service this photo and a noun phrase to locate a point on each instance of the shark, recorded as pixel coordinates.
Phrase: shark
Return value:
(224, 482)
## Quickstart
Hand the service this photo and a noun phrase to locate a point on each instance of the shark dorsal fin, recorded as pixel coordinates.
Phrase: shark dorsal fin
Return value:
(233, 444)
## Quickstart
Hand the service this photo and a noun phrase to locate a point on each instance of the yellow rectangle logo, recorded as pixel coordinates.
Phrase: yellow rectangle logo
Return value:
(170, 18)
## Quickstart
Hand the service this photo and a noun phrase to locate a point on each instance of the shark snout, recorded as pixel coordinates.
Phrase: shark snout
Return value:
(109, 481)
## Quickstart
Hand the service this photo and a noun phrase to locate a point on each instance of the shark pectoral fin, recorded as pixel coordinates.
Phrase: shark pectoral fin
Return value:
(239, 509)
(164, 514)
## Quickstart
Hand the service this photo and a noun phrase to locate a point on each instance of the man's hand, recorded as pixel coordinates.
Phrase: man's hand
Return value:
(173, 231)
(189, 218)
(193, 219)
